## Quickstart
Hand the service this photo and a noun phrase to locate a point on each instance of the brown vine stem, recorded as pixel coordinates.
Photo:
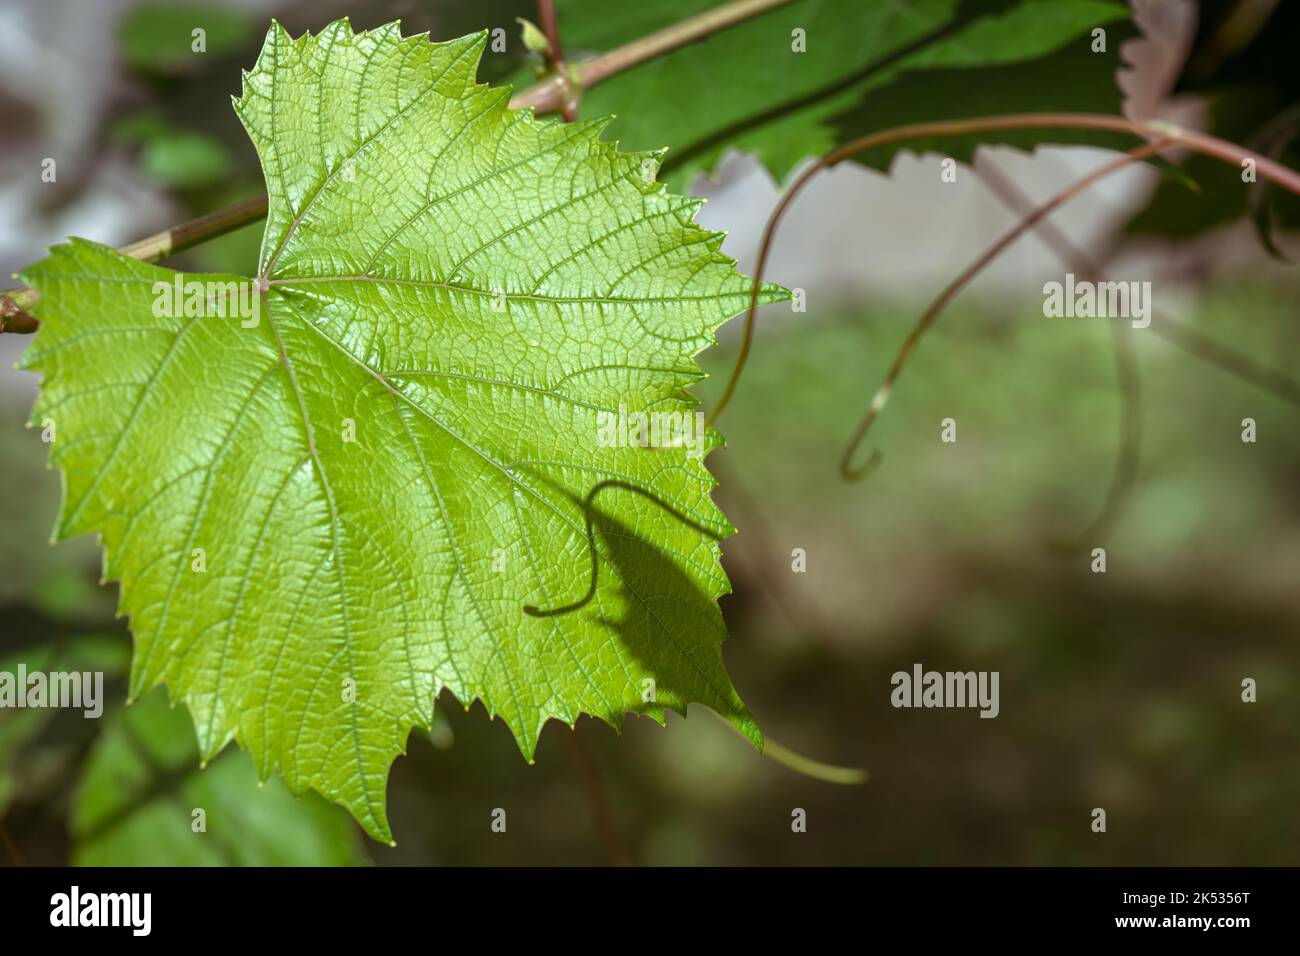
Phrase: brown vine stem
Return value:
(546, 19)
(555, 61)
(598, 800)
(927, 319)
(15, 302)
(1231, 153)
(552, 95)
(1227, 359)
(1127, 376)
(671, 38)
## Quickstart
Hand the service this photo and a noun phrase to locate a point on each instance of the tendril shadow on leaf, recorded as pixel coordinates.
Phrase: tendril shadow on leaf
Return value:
(670, 624)
(589, 510)
(696, 614)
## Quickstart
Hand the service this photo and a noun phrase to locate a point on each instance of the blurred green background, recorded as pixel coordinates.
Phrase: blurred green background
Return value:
(1119, 690)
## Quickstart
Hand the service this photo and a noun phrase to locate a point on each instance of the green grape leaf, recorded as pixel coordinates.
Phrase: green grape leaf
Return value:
(339, 499)
(767, 98)
(141, 786)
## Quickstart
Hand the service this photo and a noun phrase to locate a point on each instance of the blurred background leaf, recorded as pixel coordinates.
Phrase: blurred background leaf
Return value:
(746, 89)
(142, 784)
(175, 157)
(41, 748)
(159, 37)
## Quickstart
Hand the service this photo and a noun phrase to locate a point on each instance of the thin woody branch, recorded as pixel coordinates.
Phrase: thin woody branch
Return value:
(1152, 131)
(931, 314)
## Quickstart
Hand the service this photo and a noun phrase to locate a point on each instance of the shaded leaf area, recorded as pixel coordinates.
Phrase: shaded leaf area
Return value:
(1243, 47)
(766, 98)
(1071, 78)
(1244, 68)
(330, 493)
(141, 787)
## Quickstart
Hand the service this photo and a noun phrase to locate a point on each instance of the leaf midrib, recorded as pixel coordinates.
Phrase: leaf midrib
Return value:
(512, 296)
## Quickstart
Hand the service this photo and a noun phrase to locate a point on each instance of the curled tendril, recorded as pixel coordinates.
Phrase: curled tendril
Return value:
(1128, 377)
(1158, 134)
(928, 317)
